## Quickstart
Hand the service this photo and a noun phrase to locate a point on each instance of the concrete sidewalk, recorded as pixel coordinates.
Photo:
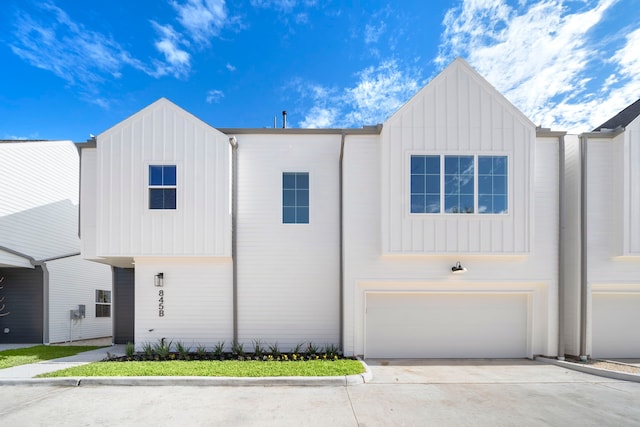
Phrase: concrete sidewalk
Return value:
(31, 370)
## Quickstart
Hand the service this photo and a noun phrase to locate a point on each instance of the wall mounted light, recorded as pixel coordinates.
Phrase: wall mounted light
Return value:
(158, 280)
(458, 268)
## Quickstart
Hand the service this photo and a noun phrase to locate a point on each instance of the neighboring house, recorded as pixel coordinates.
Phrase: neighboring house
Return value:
(46, 282)
(335, 236)
(603, 293)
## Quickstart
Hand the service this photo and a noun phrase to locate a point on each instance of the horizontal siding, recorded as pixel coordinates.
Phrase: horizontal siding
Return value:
(163, 134)
(198, 303)
(457, 113)
(288, 274)
(39, 188)
(73, 281)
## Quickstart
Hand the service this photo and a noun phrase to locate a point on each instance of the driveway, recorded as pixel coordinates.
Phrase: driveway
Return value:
(402, 392)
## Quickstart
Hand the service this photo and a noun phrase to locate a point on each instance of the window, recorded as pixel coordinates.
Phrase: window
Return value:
(103, 303)
(295, 198)
(469, 184)
(162, 187)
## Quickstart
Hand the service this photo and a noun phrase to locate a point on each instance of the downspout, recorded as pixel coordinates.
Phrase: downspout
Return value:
(45, 302)
(234, 220)
(341, 239)
(561, 246)
(583, 247)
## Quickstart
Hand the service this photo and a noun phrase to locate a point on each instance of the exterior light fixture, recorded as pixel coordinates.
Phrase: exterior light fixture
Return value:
(458, 268)
(158, 280)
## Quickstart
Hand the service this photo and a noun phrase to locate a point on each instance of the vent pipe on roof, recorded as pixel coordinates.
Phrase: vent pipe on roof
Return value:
(284, 119)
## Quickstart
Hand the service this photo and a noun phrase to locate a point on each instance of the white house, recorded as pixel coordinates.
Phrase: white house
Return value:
(49, 293)
(435, 234)
(603, 293)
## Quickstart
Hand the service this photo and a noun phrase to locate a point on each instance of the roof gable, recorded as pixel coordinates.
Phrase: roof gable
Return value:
(454, 91)
(622, 119)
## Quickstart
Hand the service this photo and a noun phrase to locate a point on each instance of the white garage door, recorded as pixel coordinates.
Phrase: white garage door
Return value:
(433, 325)
(616, 325)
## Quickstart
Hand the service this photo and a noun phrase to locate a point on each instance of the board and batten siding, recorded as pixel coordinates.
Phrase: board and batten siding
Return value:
(74, 281)
(288, 274)
(88, 202)
(631, 195)
(163, 134)
(457, 113)
(197, 301)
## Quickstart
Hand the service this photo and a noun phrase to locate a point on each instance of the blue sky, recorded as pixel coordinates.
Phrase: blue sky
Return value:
(69, 69)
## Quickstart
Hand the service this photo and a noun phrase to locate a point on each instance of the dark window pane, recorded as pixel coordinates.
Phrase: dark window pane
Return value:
(500, 165)
(433, 184)
(302, 181)
(451, 186)
(451, 165)
(288, 215)
(156, 198)
(169, 176)
(451, 203)
(500, 204)
(500, 185)
(432, 204)
(433, 165)
(485, 204)
(302, 215)
(418, 204)
(466, 203)
(302, 198)
(169, 198)
(155, 175)
(484, 185)
(466, 185)
(417, 184)
(288, 197)
(289, 180)
(417, 164)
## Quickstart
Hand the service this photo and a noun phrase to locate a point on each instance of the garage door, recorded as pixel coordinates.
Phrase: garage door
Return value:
(433, 325)
(615, 325)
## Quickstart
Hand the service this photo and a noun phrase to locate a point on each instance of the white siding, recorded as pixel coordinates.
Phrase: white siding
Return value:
(613, 265)
(73, 281)
(163, 133)
(456, 113)
(197, 301)
(367, 271)
(572, 247)
(39, 189)
(88, 201)
(631, 194)
(288, 274)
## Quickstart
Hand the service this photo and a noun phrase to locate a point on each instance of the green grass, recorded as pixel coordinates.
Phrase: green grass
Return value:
(213, 368)
(23, 356)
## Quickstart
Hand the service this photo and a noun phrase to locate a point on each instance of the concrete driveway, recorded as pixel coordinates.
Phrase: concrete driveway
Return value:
(402, 392)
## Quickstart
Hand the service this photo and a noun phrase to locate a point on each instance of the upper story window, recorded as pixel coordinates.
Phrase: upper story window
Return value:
(459, 184)
(162, 187)
(295, 197)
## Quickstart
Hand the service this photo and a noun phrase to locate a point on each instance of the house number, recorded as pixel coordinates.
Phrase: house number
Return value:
(161, 303)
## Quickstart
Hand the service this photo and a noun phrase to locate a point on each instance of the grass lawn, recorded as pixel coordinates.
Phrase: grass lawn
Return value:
(214, 368)
(23, 356)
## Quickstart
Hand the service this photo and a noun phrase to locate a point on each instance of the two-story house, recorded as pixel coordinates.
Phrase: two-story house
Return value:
(435, 234)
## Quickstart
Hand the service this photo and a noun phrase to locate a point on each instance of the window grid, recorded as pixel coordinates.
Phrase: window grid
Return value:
(162, 187)
(459, 184)
(103, 303)
(295, 197)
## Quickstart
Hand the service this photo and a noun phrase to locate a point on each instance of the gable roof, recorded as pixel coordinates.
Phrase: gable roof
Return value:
(622, 119)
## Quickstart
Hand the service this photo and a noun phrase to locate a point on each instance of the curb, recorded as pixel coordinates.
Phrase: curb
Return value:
(591, 370)
(345, 380)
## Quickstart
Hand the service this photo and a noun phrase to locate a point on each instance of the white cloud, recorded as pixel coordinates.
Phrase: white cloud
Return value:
(542, 57)
(230, 67)
(214, 96)
(377, 93)
(372, 33)
(203, 19)
(78, 55)
(177, 61)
